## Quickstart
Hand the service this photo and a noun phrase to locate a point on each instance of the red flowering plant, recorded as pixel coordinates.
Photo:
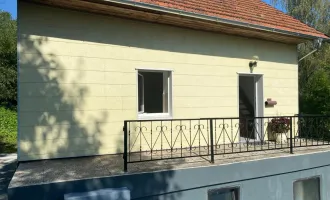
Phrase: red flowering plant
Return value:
(280, 125)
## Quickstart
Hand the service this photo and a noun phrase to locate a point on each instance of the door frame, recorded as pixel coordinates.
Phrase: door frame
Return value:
(258, 101)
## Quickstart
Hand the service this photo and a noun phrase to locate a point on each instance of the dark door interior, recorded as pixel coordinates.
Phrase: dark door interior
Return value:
(247, 106)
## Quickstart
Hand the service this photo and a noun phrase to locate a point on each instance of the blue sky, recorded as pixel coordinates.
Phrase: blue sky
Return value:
(269, 2)
(11, 6)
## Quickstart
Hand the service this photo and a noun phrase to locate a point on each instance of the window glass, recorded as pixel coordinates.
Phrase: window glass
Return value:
(307, 189)
(224, 194)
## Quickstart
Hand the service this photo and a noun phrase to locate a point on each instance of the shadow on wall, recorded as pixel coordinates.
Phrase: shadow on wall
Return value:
(62, 129)
(131, 33)
(56, 121)
(143, 186)
(55, 129)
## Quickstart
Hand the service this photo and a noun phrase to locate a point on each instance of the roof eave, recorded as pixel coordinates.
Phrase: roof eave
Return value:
(209, 18)
(158, 14)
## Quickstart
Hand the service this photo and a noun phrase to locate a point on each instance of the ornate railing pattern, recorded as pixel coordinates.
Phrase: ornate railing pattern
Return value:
(149, 140)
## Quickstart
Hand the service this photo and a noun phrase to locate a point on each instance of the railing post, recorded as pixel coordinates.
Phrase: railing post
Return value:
(125, 146)
(299, 125)
(291, 136)
(211, 136)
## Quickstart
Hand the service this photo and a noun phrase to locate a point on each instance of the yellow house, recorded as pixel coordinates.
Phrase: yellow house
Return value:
(86, 66)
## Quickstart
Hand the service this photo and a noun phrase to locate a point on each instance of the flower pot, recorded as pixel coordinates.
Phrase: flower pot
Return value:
(278, 137)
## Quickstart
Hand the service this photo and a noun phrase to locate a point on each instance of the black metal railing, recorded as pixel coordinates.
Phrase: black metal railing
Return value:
(150, 140)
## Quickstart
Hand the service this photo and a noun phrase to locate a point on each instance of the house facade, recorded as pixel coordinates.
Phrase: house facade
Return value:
(82, 74)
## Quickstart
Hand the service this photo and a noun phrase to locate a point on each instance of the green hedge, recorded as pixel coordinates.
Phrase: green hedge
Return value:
(8, 130)
(317, 128)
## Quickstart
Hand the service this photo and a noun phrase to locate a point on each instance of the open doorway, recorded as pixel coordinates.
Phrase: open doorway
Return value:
(250, 98)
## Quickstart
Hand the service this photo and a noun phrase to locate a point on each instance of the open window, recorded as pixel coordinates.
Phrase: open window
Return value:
(154, 94)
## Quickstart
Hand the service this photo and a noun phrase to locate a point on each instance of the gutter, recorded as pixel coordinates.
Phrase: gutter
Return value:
(207, 18)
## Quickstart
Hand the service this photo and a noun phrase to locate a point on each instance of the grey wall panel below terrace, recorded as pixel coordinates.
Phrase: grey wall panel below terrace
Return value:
(258, 180)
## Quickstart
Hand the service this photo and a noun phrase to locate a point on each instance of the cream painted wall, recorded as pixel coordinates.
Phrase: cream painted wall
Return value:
(77, 77)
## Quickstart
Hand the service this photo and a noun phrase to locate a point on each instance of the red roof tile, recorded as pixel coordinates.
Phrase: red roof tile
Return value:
(253, 12)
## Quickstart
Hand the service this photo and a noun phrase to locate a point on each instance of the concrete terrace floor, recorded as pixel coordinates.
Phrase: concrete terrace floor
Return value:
(61, 170)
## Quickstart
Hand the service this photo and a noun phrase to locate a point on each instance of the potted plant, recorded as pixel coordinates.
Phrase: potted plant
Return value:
(278, 129)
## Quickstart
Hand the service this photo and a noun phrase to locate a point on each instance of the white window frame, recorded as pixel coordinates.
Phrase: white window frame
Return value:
(146, 116)
(142, 93)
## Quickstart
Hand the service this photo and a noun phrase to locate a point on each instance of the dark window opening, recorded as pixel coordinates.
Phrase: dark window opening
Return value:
(224, 194)
(153, 92)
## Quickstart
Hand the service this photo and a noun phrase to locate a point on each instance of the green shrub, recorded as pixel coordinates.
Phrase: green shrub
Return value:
(317, 128)
(8, 130)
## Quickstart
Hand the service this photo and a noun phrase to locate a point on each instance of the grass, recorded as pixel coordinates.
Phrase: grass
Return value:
(8, 130)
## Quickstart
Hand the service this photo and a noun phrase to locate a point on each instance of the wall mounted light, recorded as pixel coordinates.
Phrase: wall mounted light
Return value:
(253, 63)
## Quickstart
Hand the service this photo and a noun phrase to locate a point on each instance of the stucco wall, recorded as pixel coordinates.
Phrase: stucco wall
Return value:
(77, 77)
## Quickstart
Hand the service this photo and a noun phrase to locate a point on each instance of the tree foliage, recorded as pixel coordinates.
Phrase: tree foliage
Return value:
(8, 130)
(8, 58)
(314, 71)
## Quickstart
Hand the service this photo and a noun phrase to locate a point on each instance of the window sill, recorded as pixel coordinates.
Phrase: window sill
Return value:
(154, 116)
